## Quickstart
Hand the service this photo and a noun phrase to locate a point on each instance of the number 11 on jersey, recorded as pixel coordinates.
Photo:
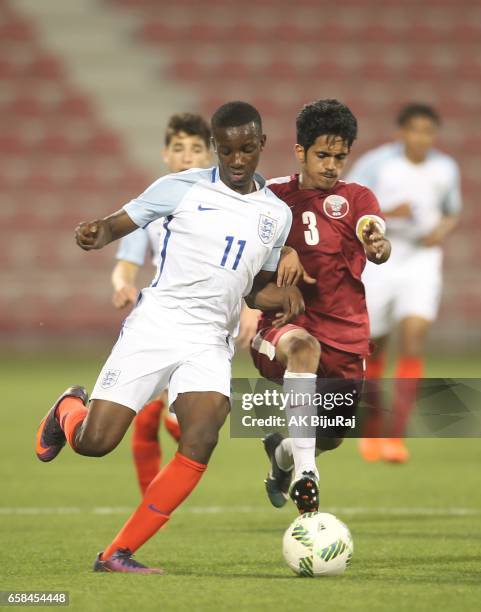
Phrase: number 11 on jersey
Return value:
(230, 242)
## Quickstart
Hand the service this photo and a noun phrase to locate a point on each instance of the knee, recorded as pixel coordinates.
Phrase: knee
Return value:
(304, 352)
(198, 444)
(413, 349)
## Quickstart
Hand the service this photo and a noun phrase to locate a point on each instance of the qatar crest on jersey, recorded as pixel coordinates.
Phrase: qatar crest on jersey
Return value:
(267, 228)
(335, 206)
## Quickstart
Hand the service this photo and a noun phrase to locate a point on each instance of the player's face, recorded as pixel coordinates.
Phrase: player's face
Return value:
(238, 150)
(185, 151)
(323, 163)
(418, 135)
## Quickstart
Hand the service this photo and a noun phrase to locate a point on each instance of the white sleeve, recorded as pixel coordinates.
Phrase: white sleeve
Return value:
(159, 200)
(365, 171)
(272, 261)
(452, 202)
(133, 247)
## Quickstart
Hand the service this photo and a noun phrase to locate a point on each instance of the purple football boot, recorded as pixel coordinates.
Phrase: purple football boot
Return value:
(122, 561)
(50, 438)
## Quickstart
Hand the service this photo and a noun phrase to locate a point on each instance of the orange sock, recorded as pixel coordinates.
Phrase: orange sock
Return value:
(165, 493)
(411, 368)
(71, 414)
(146, 448)
(373, 421)
(172, 426)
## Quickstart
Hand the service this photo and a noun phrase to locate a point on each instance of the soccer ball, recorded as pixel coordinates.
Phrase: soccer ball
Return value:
(317, 544)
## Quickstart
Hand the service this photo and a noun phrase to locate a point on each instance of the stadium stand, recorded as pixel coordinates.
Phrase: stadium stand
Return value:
(62, 163)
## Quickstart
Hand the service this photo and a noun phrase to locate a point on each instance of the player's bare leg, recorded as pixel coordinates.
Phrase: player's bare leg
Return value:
(94, 432)
(371, 445)
(410, 366)
(300, 353)
(201, 415)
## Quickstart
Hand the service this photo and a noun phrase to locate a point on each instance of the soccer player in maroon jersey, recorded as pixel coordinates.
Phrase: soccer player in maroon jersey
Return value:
(336, 226)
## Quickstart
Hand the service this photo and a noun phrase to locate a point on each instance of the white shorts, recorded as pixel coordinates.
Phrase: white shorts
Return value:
(141, 365)
(402, 288)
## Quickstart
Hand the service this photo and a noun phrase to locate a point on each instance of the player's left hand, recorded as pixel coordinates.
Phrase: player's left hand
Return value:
(434, 238)
(377, 247)
(290, 270)
(293, 306)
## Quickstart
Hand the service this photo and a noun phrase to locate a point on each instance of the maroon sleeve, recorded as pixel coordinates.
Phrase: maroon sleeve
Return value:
(366, 203)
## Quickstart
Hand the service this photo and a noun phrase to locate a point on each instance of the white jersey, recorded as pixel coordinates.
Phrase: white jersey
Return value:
(431, 188)
(214, 241)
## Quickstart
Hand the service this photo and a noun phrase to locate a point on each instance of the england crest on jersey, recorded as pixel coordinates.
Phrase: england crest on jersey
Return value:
(267, 228)
(110, 378)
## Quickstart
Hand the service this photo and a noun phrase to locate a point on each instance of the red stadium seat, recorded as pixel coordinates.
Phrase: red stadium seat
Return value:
(105, 143)
(16, 30)
(74, 105)
(48, 68)
(26, 106)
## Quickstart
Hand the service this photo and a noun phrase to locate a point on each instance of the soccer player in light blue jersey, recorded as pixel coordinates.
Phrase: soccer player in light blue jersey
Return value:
(418, 189)
(223, 231)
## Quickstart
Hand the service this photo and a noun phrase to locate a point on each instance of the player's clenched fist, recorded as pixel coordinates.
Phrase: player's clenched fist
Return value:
(93, 234)
(292, 306)
(375, 244)
(124, 296)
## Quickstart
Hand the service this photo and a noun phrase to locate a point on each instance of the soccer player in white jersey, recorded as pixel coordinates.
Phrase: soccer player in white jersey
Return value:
(222, 235)
(418, 190)
(187, 145)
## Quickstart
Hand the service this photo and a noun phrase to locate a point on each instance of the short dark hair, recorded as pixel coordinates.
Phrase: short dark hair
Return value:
(325, 117)
(417, 109)
(234, 114)
(193, 125)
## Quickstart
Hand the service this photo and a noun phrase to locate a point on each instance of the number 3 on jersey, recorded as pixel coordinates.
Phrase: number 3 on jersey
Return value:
(311, 234)
(230, 241)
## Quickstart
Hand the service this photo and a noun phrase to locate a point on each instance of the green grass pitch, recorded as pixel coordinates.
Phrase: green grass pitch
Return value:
(416, 528)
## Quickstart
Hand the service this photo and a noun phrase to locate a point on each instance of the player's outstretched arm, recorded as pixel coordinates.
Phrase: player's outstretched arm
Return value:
(123, 282)
(266, 295)
(447, 224)
(96, 234)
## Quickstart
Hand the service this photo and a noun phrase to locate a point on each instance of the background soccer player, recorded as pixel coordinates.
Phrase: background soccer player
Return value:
(335, 227)
(418, 189)
(222, 235)
(187, 145)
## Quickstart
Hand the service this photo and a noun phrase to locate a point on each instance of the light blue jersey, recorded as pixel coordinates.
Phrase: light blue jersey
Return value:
(440, 171)
(134, 246)
(214, 241)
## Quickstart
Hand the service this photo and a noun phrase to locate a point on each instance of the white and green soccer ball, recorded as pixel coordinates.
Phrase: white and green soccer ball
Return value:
(317, 544)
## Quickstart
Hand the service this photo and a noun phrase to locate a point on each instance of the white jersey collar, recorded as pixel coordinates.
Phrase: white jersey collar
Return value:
(259, 181)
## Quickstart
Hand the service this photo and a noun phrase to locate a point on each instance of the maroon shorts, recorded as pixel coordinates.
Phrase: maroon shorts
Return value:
(334, 363)
(338, 371)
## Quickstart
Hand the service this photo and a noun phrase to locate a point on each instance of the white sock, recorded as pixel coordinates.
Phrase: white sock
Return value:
(284, 455)
(301, 386)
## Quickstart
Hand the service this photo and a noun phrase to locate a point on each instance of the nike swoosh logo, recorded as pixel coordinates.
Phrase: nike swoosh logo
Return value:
(152, 507)
(200, 207)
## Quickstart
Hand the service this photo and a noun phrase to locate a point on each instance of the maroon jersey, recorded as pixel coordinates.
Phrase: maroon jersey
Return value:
(323, 233)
